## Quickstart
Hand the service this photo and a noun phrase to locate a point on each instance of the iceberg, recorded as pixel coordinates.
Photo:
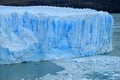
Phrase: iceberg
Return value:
(44, 33)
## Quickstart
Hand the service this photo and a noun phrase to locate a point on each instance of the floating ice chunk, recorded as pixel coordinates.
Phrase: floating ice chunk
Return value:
(44, 33)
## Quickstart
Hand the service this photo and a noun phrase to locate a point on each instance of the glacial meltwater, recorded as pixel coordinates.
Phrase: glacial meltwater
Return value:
(116, 36)
(33, 71)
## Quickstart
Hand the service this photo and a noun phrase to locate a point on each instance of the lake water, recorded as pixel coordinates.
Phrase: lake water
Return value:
(116, 36)
(29, 71)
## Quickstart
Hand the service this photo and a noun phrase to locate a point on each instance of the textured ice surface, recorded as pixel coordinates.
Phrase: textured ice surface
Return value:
(89, 68)
(43, 33)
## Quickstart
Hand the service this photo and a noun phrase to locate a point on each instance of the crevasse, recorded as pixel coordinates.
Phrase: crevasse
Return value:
(44, 33)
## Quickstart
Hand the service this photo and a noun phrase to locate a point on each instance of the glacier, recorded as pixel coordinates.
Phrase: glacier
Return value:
(37, 33)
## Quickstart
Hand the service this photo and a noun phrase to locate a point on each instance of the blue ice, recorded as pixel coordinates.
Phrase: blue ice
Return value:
(44, 33)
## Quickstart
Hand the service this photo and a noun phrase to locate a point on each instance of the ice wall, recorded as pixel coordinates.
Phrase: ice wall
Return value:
(43, 33)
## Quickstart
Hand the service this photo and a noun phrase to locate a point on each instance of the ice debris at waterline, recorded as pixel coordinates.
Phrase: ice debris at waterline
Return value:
(44, 33)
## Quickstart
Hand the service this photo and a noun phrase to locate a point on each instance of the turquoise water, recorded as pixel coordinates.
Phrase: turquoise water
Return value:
(116, 36)
(28, 71)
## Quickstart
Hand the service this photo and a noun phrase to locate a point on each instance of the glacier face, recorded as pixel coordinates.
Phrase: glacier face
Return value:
(44, 33)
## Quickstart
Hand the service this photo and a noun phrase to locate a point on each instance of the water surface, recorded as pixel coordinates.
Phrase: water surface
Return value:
(116, 36)
(28, 71)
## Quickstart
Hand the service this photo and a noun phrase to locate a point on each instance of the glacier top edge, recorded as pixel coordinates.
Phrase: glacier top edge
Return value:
(47, 10)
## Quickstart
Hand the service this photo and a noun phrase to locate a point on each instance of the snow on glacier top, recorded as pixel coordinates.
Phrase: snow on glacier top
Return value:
(47, 10)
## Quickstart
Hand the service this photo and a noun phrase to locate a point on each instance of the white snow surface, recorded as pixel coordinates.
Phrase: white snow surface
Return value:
(43, 33)
(46, 11)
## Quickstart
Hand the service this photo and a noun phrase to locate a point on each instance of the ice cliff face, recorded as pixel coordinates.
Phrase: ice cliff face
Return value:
(44, 33)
